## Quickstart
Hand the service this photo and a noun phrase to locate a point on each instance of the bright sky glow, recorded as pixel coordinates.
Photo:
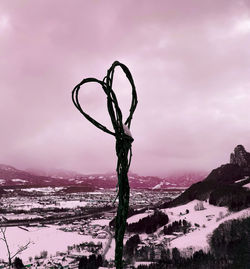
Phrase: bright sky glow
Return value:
(243, 26)
(4, 22)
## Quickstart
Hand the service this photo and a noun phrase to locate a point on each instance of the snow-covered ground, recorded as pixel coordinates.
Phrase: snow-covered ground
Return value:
(95, 193)
(247, 186)
(60, 204)
(203, 223)
(12, 216)
(18, 180)
(243, 179)
(199, 238)
(208, 219)
(48, 238)
(71, 204)
(204, 219)
(110, 255)
(44, 189)
(158, 186)
(142, 263)
(101, 222)
(195, 216)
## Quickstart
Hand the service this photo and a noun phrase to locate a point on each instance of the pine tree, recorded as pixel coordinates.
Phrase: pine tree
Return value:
(18, 263)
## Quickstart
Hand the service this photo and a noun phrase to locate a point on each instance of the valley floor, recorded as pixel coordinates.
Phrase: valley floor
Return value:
(65, 242)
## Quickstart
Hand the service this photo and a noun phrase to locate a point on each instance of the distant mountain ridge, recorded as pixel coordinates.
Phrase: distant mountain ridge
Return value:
(10, 176)
(224, 186)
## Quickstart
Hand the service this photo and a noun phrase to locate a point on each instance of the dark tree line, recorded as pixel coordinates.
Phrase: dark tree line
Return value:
(177, 226)
(145, 253)
(131, 245)
(131, 212)
(92, 262)
(18, 263)
(199, 260)
(149, 224)
(231, 240)
(232, 196)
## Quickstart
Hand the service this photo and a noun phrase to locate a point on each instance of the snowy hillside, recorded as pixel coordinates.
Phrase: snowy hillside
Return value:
(208, 219)
(204, 218)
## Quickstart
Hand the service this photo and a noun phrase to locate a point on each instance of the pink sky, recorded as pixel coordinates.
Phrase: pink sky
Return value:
(190, 61)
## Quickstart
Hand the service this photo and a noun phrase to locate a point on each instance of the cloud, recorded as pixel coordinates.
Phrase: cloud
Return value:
(190, 62)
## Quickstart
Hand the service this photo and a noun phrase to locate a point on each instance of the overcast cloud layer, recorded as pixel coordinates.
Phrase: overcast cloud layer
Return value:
(190, 61)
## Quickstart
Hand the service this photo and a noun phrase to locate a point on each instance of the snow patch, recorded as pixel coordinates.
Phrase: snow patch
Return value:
(44, 189)
(158, 186)
(247, 186)
(142, 263)
(18, 180)
(137, 217)
(101, 222)
(243, 179)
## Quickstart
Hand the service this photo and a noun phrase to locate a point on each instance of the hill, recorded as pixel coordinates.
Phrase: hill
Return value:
(224, 186)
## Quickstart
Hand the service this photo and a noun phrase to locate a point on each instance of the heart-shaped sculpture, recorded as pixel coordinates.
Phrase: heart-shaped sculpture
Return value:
(123, 146)
(112, 102)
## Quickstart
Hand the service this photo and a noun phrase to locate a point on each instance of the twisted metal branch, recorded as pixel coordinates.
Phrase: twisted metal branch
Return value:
(123, 145)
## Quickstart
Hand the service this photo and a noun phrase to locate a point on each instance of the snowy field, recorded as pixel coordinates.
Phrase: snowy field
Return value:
(195, 216)
(137, 217)
(110, 255)
(208, 219)
(60, 204)
(44, 189)
(101, 222)
(48, 238)
(247, 186)
(22, 216)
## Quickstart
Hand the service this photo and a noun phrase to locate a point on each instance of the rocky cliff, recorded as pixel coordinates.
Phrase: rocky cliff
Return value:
(224, 186)
(241, 158)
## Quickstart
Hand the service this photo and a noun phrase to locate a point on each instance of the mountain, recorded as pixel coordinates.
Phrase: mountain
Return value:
(10, 176)
(175, 181)
(185, 179)
(54, 173)
(224, 186)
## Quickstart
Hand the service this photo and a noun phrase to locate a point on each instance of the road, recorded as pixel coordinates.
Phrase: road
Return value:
(52, 221)
(108, 244)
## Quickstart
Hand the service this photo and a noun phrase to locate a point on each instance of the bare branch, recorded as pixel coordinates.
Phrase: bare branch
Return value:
(21, 249)
(3, 229)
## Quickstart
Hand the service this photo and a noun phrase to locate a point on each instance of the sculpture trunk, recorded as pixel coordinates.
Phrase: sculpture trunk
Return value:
(123, 146)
